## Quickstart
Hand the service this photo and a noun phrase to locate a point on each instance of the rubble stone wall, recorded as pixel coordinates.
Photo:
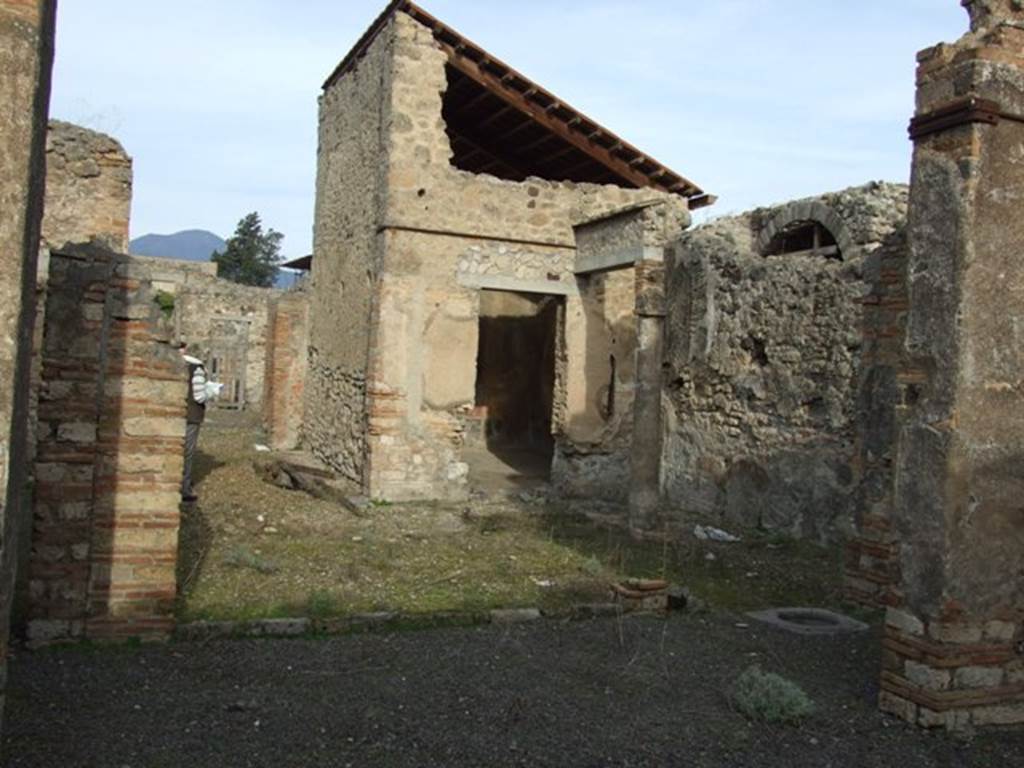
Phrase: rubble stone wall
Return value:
(205, 306)
(763, 364)
(88, 188)
(26, 56)
(109, 455)
(347, 252)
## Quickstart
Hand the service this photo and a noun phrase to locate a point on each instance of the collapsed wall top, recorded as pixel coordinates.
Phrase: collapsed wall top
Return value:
(501, 122)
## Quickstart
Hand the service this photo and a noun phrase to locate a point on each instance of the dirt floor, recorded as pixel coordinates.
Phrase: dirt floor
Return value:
(606, 692)
(251, 550)
(633, 691)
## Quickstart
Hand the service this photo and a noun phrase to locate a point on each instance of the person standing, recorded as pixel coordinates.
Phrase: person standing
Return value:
(196, 396)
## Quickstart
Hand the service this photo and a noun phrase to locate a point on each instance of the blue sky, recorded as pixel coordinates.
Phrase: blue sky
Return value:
(758, 101)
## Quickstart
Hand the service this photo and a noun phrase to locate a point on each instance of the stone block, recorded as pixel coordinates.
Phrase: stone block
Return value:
(278, 627)
(145, 426)
(926, 677)
(897, 706)
(952, 720)
(143, 539)
(77, 432)
(904, 622)
(44, 631)
(1000, 631)
(514, 615)
(63, 473)
(959, 634)
(1011, 714)
(978, 677)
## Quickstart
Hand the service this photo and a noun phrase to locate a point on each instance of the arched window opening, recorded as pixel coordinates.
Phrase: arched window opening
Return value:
(804, 238)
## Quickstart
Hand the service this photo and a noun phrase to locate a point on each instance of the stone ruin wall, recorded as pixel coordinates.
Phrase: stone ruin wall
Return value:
(108, 398)
(445, 233)
(26, 56)
(763, 359)
(203, 303)
(109, 455)
(88, 188)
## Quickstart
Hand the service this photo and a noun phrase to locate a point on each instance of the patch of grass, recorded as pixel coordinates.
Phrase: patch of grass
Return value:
(252, 550)
(769, 697)
(322, 604)
(241, 557)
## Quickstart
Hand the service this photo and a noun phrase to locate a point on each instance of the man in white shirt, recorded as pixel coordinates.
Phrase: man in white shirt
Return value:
(197, 394)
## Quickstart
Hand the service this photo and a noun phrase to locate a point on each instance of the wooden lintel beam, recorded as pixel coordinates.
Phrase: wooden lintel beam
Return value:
(557, 127)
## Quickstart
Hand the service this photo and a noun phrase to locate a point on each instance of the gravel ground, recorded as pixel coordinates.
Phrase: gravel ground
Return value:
(635, 692)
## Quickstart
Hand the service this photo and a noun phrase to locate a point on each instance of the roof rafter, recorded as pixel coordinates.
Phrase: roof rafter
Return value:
(623, 161)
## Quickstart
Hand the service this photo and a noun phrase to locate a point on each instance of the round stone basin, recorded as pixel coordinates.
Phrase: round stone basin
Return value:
(809, 621)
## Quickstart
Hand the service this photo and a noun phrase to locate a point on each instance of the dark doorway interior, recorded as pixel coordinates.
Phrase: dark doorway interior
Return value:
(515, 387)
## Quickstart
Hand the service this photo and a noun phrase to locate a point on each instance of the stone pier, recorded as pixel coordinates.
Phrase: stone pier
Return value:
(954, 645)
(645, 455)
(26, 57)
(632, 242)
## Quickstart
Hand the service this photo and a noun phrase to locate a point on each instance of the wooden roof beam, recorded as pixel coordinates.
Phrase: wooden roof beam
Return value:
(557, 127)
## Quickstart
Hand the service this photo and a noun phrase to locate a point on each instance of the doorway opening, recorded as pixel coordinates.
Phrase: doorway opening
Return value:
(512, 444)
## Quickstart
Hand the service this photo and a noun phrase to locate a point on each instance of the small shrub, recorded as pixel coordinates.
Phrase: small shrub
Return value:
(166, 302)
(766, 696)
(592, 566)
(240, 557)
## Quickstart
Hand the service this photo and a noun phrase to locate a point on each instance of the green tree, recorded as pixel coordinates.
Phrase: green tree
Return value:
(252, 255)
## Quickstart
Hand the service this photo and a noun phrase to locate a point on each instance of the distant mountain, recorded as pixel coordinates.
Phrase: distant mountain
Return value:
(190, 244)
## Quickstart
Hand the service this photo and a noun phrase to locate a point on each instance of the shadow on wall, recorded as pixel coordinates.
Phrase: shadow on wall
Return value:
(109, 455)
